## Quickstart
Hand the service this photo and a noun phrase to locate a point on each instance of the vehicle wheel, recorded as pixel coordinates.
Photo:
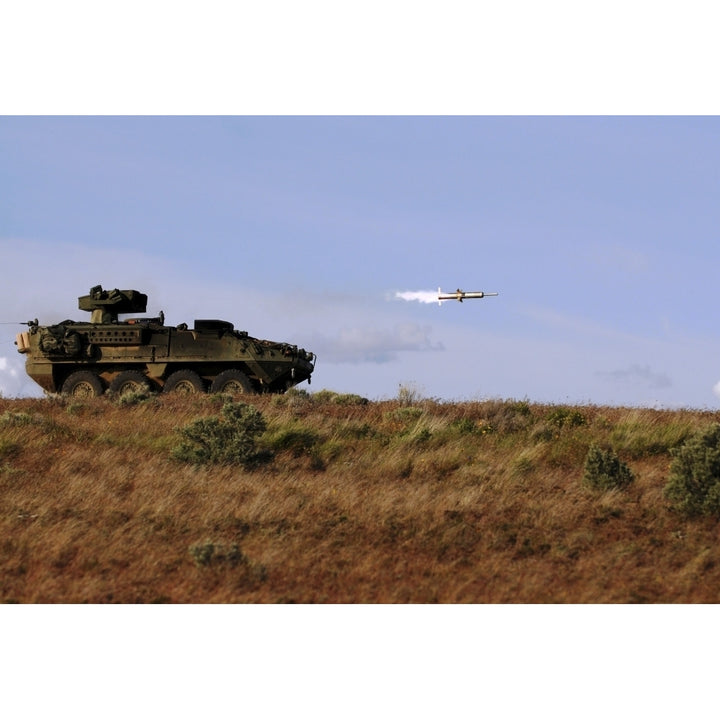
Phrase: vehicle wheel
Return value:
(185, 382)
(83, 384)
(129, 381)
(233, 382)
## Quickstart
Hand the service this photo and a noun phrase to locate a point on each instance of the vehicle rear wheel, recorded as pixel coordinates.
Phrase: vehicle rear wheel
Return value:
(129, 381)
(233, 382)
(83, 384)
(184, 382)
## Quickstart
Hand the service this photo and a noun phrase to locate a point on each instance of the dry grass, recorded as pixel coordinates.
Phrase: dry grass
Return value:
(385, 502)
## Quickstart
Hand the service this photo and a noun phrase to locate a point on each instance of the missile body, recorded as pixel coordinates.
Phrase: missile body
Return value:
(459, 295)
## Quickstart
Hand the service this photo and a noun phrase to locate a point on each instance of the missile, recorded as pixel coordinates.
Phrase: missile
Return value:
(459, 295)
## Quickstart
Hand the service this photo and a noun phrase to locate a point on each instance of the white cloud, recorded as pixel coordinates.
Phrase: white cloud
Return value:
(716, 389)
(7, 367)
(13, 380)
(641, 374)
(372, 345)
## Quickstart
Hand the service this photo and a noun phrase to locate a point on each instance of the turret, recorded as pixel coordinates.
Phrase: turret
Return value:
(106, 305)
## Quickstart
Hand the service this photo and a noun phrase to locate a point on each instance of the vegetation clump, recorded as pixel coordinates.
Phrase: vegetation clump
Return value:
(408, 394)
(226, 440)
(605, 471)
(134, 397)
(693, 486)
(209, 553)
(224, 556)
(294, 397)
(641, 438)
(299, 441)
(8, 448)
(18, 419)
(566, 417)
(335, 398)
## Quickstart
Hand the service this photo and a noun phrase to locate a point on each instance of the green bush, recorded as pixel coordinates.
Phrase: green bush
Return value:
(19, 419)
(464, 426)
(226, 440)
(693, 486)
(221, 557)
(8, 448)
(605, 471)
(299, 441)
(293, 398)
(404, 414)
(133, 397)
(209, 553)
(506, 416)
(565, 417)
(333, 398)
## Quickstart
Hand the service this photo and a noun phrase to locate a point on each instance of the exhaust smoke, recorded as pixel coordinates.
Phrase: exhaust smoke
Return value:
(423, 296)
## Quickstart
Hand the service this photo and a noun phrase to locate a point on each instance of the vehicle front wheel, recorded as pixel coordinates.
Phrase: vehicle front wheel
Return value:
(233, 382)
(83, 384)
(184, 382)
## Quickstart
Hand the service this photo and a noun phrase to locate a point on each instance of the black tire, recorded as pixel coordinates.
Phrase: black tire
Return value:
(233, 382)
(184, 382)
(83, 384)
(129, 381)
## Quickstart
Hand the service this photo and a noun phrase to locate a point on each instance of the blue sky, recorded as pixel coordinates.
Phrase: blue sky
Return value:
(599, 233)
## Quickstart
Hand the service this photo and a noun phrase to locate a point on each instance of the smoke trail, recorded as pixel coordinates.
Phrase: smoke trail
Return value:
(423, 296)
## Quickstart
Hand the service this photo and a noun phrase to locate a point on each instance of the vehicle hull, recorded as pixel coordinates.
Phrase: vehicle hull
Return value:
(211, 347)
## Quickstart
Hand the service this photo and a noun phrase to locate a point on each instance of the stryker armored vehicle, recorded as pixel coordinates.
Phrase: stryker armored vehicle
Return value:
(84, 359)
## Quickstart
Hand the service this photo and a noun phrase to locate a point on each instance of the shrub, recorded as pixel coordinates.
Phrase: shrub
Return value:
(521, 407)
(226, 440)
(506, 416)
(133, 397)
(404, 414)
(293, 398)
(565, 417)
(334, 398)
(693, 486)
(419, 435)
(19, 419)
(605, 471)
(350, 399)
(464, 426)
(8, 448)
(355, 431)
(408, 395)
(209, 553)
(220, 557)
(299, 441)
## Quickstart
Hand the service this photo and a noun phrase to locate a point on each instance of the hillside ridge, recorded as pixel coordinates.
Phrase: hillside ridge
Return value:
(345, 501)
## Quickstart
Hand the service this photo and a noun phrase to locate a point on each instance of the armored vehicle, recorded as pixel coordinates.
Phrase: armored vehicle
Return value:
(84, 359)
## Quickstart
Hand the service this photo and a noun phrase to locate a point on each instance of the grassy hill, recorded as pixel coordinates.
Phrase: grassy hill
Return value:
(345, 501)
